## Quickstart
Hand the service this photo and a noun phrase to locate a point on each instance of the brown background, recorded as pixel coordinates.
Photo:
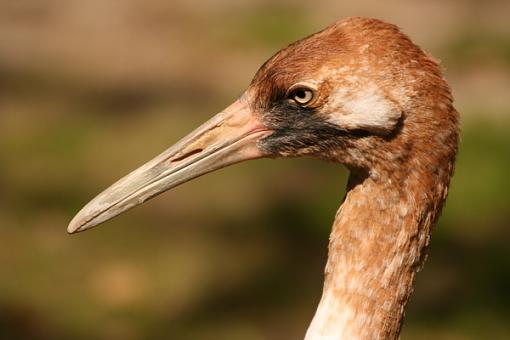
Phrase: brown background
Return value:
(91, 89)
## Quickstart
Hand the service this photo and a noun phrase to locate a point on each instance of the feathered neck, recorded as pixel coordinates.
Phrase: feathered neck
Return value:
(378, 243)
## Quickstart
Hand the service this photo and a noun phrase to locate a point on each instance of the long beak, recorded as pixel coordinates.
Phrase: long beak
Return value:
(227, 138)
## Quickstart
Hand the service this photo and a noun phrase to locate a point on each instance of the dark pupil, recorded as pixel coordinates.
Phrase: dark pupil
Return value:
(301, 94)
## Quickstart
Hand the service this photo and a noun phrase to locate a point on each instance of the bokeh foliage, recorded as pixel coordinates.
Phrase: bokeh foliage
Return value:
(90, 90)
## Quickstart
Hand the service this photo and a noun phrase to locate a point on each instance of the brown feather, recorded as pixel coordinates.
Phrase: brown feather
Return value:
(399, 174)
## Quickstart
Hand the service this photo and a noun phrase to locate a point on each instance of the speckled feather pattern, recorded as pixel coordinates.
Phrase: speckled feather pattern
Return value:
(359, 93)
(383, 109)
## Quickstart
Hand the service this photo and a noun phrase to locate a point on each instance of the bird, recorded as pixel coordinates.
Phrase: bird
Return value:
(359, 93)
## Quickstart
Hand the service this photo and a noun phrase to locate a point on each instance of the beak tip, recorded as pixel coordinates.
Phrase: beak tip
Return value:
(89, 216)
(76, 225)
(73, 228)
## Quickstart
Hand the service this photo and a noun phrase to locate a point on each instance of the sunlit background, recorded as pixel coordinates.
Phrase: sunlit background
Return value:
(91, 89)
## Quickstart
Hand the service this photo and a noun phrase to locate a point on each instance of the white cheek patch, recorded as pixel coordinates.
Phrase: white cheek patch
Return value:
(366, 108)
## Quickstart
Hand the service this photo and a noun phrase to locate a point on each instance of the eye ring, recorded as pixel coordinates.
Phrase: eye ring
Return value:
(301, 94)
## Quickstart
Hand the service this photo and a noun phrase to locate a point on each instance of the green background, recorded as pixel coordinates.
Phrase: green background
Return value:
(89, 90)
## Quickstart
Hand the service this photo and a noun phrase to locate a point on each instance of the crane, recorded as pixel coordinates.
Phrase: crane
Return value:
(359, 93)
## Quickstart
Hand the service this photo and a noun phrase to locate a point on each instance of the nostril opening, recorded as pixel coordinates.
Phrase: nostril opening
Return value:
(186, 155)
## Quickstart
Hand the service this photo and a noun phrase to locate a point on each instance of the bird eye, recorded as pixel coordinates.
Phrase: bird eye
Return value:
(301, 95)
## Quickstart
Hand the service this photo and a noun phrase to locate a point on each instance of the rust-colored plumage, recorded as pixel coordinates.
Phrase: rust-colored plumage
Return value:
(358, 93)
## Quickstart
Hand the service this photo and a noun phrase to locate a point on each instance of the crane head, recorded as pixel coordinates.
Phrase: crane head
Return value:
(348, 93)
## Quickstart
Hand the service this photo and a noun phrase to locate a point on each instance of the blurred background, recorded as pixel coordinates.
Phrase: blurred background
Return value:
(89, 90)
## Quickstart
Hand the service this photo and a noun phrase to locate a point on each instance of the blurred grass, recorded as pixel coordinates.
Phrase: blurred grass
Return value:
(478, 46)
(270, 24)
(218, 258)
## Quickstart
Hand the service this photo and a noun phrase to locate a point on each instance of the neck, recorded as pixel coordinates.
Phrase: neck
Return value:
(377, 245)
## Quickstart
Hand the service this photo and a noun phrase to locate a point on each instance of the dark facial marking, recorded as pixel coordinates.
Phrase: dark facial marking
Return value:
(301, 130)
